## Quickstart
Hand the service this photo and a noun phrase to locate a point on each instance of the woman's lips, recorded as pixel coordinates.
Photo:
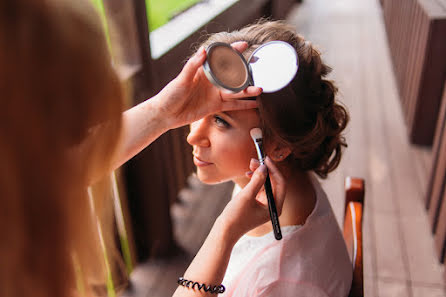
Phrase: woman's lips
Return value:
(200, 163)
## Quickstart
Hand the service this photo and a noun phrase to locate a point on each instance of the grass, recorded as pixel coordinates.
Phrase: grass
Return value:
(159, 12)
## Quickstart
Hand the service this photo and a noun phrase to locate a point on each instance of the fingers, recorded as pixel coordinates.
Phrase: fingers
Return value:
(193, 64)
(240, 46)
(254, 164)
(250, 91)
(256, 182)
(239, 105)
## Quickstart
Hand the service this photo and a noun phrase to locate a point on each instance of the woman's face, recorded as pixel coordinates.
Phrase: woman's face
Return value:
(222, 145)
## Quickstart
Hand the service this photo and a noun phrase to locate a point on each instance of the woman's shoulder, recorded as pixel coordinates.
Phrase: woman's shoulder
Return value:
(311, 257)
(301, 263)
(316, 253)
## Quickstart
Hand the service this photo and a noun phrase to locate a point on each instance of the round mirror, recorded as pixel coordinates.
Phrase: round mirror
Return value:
(273, 66)
(226, 67)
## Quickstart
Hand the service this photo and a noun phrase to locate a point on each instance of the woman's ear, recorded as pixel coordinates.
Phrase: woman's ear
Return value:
(279, 152)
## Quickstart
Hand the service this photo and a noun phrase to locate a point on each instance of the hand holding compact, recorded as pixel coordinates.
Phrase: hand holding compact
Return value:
(190, 96)
(249, 209)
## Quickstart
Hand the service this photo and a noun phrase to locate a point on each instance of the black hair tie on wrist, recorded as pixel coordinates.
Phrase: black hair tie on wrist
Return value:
(211, 289)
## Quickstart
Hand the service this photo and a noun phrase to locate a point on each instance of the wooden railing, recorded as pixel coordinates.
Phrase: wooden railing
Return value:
(436, 195)
(416, 31)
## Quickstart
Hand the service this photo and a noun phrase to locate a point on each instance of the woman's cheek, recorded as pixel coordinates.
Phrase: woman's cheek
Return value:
(238, 158)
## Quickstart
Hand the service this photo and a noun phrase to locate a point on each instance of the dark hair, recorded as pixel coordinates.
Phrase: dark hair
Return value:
(305, 115)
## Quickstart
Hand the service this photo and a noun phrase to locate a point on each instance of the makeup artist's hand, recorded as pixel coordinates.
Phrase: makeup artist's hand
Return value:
(249, 208)
(190, 96)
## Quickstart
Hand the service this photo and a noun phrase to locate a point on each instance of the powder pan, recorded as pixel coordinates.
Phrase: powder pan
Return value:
(272, 66)
(226, 68)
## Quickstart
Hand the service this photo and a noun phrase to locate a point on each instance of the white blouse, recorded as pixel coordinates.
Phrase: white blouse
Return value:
(246, 248)
(310, 260)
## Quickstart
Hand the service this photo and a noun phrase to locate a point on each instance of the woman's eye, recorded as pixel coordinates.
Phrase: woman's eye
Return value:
(220, 122)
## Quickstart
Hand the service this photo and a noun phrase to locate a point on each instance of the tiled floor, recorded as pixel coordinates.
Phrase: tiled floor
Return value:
(399, 255)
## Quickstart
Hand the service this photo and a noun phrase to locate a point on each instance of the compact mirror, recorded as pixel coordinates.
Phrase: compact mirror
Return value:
(271, 66)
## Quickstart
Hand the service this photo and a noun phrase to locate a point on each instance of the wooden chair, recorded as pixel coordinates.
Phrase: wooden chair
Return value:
(354, 204)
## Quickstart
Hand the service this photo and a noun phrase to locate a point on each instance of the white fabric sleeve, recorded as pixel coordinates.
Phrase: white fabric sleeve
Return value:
(283, 288)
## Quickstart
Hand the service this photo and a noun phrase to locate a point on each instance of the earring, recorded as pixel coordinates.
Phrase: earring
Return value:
(279, 157)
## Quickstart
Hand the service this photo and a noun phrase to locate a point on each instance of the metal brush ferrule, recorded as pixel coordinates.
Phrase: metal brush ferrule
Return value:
(259, 147)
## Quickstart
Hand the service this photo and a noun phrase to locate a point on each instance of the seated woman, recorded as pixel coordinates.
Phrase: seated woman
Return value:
(302, 135)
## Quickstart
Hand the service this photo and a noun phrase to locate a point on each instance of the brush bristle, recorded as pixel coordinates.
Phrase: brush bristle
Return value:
(256, 133)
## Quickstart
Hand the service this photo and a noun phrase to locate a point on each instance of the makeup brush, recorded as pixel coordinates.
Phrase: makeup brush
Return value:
(256, 135)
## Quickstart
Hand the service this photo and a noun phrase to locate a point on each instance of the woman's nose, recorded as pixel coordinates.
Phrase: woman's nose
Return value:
(198, 134)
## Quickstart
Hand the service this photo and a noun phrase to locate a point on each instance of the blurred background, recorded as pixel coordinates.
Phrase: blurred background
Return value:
(389, 61)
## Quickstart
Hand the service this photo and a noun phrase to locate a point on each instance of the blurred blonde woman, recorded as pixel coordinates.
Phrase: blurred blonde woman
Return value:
(62, 127)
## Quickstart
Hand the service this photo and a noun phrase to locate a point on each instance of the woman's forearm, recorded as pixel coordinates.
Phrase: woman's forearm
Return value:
(141, 125)
(210, 263)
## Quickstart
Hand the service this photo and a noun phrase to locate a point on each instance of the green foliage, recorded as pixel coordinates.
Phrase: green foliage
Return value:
(99, 5)
(159, 12)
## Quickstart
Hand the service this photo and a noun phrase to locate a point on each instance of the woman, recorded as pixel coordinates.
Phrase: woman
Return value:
(62, 127)
(302, 128)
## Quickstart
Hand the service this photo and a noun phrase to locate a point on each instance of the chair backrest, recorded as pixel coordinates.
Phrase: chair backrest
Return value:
(354, 206)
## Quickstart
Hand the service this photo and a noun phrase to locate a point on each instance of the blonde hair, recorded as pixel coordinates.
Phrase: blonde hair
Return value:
(57, 86)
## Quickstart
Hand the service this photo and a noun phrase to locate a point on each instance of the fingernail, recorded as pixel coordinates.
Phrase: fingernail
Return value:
(262, 168)
(200, 52)
(248, 173)
(253, 160)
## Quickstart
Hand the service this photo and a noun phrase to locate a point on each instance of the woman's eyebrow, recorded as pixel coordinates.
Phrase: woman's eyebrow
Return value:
(228, 114)
(234, 115)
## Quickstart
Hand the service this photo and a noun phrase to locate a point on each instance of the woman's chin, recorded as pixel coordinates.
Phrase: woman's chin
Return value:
(209, 179)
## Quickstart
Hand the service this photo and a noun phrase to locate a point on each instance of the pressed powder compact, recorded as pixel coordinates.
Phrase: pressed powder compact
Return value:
(271, 66)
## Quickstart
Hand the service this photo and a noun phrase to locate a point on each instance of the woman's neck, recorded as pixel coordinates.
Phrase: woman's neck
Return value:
(299, 202)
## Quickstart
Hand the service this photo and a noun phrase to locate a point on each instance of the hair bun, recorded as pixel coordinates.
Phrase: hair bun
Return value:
(327, 94)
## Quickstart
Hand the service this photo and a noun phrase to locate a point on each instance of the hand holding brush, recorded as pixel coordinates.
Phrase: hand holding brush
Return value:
(256, 135)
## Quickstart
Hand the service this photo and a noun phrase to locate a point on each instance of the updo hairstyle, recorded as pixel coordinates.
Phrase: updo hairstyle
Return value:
(305, 115)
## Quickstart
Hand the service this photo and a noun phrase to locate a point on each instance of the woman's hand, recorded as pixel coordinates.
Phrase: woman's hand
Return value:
(249, 208)
(190, 96)
(243, 213)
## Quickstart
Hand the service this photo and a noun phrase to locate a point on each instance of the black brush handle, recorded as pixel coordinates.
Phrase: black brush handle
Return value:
(272, 209)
